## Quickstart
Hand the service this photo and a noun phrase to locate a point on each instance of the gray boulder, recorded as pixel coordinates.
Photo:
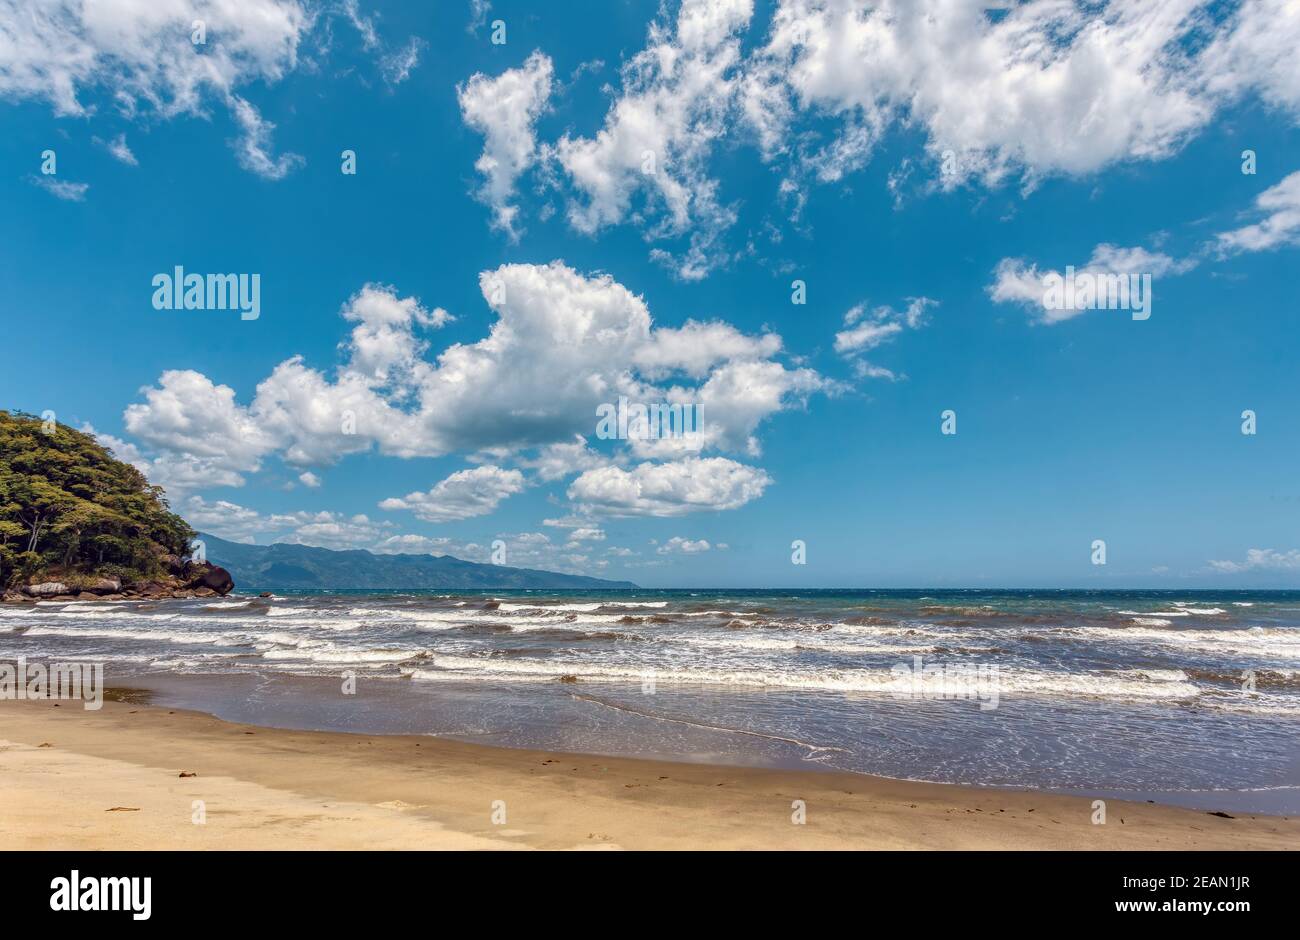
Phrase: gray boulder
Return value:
(46, 589)
(218, 579)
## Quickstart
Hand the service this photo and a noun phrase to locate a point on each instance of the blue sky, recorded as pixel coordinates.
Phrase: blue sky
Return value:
(787, 146)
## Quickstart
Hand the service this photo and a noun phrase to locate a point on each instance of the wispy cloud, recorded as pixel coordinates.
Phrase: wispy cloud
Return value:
(396, 67)
(119, 149)
(1261, 559)
(61, 189)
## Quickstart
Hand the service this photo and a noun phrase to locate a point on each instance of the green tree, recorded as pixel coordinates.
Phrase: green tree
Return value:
(68, 508)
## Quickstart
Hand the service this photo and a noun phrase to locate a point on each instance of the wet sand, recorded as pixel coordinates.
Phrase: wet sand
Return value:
(111, 779)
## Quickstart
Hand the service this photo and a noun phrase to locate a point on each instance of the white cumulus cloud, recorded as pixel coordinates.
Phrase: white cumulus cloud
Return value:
(463, 495)
(660, 133)
(505, 110)
(1279, 207)
(996, 93)
(1019, 281)
(563, 345)
(164, 58)
(675, 488)
(679, 545)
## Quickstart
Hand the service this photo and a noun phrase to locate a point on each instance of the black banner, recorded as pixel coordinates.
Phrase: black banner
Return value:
(211, 889)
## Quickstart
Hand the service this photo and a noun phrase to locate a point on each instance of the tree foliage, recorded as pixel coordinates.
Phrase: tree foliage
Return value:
(68, 508)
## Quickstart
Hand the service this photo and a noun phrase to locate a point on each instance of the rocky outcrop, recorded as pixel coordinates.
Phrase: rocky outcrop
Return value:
(188, 579)
(184, 579)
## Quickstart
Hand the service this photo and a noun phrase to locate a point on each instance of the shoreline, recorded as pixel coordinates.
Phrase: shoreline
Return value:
(394, 707)
(111, 779)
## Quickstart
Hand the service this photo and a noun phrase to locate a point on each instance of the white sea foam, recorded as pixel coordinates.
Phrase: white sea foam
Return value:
(566, 607)
(1271, 641)
(272, 640)
(111, 633)
(530, 624)
(426, 615)
(342, 656)
(1289, 706)
(754, 650)
(1133, 685)
(798, 642)
(916, 628)
(94, 614)
(1158, 675)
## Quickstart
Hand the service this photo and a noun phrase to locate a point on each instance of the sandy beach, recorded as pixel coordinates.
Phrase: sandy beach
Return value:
(134, 776)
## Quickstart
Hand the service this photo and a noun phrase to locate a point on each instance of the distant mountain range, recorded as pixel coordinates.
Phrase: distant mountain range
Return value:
(302, 567)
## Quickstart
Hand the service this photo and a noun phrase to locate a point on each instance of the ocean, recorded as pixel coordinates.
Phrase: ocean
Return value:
(1186, 697)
